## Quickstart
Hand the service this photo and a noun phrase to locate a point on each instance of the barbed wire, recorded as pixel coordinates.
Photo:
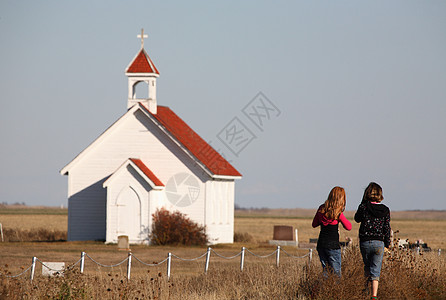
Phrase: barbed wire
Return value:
(293, 256)
(71, 266)
(61, 270)
(261, 256)
(189, 259)
(51, 269)
(155, 264)
(219, 255)
(14, 276)
(150, 265)
(106, 266)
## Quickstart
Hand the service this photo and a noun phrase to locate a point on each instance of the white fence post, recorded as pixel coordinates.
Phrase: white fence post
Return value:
(277, 256)
(82, 264)
(33, 268)
(297, 237)
(242, 259)
(129, 265)
(1, 230)
(169, 259)
(310, 256)
(439, 252)
(208, 256)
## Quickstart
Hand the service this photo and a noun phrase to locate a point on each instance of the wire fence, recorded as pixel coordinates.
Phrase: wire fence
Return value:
(168, 261)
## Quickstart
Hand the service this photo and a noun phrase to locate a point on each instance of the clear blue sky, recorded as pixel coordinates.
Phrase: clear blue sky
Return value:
(361, 89)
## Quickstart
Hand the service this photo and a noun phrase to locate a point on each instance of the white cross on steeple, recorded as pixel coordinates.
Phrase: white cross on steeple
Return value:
(142, 36)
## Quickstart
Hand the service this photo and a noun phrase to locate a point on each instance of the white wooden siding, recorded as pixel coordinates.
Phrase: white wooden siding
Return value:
(220, 211)
(136, 137)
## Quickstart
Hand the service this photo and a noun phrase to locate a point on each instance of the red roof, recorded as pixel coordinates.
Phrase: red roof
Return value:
(216, 163)
(142, 64)
(146, 171)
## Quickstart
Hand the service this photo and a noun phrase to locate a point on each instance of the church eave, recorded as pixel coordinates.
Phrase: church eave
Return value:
(65, 170)
(141, 169)
(211, 168)
(142, 74)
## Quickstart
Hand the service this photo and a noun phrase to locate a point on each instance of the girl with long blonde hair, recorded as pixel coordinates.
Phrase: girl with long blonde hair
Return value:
(328, 216)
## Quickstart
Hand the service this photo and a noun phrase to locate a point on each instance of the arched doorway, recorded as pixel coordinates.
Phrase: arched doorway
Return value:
(129, 214)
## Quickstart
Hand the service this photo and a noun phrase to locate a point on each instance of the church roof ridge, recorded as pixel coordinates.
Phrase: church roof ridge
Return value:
(199, 148)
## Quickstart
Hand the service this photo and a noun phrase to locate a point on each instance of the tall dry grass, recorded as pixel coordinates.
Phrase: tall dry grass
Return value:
(34, 235)
(405, 275)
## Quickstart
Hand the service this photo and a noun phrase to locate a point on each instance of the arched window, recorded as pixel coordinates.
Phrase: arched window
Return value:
(141, 90)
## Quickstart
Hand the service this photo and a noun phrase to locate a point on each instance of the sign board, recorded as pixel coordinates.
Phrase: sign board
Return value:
(53, 268)
(283, 233)
(123, 242)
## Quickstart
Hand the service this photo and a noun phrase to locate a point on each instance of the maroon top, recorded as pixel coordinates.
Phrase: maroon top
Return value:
(321, 219)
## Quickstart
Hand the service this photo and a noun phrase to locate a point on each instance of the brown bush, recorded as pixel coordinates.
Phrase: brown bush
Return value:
(176, 229)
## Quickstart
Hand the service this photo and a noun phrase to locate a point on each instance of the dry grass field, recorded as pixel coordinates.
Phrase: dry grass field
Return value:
(404, 273)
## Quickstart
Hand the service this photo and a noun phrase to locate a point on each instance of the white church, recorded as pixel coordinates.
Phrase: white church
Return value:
(148, 159)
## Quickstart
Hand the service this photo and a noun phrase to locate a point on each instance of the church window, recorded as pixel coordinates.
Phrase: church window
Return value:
(141, 90)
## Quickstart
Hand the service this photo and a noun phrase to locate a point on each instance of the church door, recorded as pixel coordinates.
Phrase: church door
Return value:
(129, 214)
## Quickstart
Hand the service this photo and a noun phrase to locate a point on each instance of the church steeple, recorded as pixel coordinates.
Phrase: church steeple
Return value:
(142, 70)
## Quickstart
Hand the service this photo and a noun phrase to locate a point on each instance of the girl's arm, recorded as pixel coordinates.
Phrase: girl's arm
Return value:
(359, 213)
(316, 219)
(386, 231)
(345, 223)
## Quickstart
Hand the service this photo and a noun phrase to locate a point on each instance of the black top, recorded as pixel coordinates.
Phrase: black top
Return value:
(329, 237)
(375, 222)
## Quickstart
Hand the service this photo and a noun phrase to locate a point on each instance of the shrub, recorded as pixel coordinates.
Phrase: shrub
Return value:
(176, 229)
(243, 237)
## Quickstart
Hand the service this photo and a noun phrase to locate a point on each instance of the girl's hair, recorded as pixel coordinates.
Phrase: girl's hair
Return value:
(335, 203)
(373, 193)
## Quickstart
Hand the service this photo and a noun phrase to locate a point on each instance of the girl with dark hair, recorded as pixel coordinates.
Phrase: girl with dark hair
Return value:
(328, 217)
(374, 233)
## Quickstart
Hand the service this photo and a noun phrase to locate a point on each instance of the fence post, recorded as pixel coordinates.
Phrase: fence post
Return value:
(277, 256)
(82, 262)
(418, 249)
(1, 230)
(297, 237)
(208, 256)
(33, 268)
(242, 259)
(439, 252)
(310, 256)
(169, 259)
(129, 265)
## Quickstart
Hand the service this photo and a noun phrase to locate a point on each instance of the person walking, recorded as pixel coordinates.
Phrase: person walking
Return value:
(374, 233)
(328, 216)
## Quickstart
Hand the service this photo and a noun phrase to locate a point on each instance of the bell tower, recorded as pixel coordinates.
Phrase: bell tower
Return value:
(142, 71)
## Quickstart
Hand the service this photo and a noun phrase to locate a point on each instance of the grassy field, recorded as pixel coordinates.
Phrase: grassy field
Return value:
(405, 275)
(429, 226)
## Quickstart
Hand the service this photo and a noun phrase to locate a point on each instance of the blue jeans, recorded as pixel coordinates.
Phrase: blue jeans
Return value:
(330, 260)
(372, 255)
